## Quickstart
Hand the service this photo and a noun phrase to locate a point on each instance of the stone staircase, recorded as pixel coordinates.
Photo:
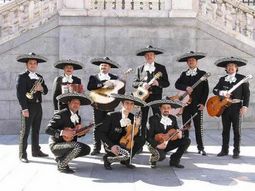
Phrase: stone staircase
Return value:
(84, 29)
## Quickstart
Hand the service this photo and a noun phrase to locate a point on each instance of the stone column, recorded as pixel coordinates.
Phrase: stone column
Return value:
(184, 8)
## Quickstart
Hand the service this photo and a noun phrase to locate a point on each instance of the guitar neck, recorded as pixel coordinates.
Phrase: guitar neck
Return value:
(237, 85)
(86, 127)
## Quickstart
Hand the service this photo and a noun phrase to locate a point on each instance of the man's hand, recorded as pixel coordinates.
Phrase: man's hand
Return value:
(68, 132)
(179, 134)
(38, 88)
(201, 107)
(189, 90)
(243, 110)
(108, 84)
(155, 83)
(25, 113)
(162, 146)
(146, 86)
(115, 149)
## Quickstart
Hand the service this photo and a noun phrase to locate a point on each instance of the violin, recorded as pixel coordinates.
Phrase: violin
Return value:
(127, 141)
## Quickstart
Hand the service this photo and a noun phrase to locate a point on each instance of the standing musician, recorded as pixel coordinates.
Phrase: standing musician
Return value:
(30, 87)
(101, 80)
(62, 83)
(234, 112)
(115, 127)
(198, 95)
(62, 128)
(163, 123)
(144, 75)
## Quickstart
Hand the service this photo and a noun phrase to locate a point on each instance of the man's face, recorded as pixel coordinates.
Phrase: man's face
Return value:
(128, 105)
(104, 68)
(231, 68)
(150, 57)
(68, 70)
(74, 105)
(165, 109)
(32, 65)
(192, 63)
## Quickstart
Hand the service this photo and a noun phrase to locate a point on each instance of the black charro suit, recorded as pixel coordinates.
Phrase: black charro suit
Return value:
(24, 85)
(198, 96)
(155, 91)
(99, 115)
(231, 114)
(56, 89)
(157, 127)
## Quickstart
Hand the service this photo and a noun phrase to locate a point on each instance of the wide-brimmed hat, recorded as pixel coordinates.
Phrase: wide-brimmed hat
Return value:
(143, 51)
(122, 97)
(62, 63)
(158, 103)
(223, 62)
(84, 99)
(191, 54)
(107, 60)
(31, 56)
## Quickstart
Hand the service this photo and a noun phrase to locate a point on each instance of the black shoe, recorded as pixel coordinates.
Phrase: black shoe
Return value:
(24, 160)
(222, 153)
(177, 165)
(202, 152)
(127, 164)
(153, 164)
(39, 154)
(107, 164)
(235, 156)
(95, 152)
(66, 170)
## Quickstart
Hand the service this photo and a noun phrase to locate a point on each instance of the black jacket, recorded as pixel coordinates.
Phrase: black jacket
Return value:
(56, 89)
(242, 92)
(200, 93)
(156, 127)
(96, 83)
(24, 85)
(111, 131)
(58, 122)
(163, 80)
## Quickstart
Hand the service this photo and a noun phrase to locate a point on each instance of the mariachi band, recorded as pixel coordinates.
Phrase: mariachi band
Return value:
(124, 132)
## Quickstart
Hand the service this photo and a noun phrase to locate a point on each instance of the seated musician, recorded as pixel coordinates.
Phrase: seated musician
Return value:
(101, 80)
(62, 83)
(63, 140)
(115, 126)
(164, 123)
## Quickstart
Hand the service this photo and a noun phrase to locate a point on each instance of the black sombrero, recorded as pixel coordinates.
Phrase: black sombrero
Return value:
(191, 54)
(223, 62)
(157, 103)
(149, 48)
(62, 63)
(107, 60)
(84, 99)
(31, 56)
(122, 97)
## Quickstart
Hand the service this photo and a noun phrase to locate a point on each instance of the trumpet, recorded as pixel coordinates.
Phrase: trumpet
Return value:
(30, 94)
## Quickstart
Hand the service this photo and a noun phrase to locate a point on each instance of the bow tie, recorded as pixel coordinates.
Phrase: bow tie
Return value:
(103, 77)
(230, 79)
(74, 118)
(166, 121)
(33, 75)
(149, 68)
(191, 72)
(68, 79)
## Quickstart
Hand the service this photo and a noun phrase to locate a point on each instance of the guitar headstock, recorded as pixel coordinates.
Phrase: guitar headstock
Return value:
(205, 76)
(129, 70)
(249, 76)
(158, 75)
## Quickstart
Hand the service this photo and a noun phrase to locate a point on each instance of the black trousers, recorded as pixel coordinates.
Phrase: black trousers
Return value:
(231, 116)
(99, 117)
(67, 151)
(34, 121)
(198, 124)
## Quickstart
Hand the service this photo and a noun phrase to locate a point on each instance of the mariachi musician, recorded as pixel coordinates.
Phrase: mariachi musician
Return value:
(62, 84)
(101, 81)
(198, 95)
(233, 113)
(62, 128)
(144, 75)
(162, 124)
(118, 145)
(30, 87)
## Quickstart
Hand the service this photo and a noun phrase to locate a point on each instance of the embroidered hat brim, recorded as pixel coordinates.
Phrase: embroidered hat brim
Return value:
(191, 54)
(122, 97)
(235, 60)
(106, 60)
(84, 99)
(158, 103)
(62, 63)
(24, 58)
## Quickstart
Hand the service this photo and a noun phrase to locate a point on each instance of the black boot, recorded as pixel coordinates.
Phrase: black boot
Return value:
(222, 153)
(107, 164)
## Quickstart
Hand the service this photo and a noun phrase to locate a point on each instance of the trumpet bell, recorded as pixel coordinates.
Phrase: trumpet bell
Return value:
(29, 95)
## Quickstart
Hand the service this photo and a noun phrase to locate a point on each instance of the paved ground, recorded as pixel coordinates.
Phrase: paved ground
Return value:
(201, 172)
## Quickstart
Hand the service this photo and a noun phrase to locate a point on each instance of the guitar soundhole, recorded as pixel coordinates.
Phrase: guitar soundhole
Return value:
(140, 93)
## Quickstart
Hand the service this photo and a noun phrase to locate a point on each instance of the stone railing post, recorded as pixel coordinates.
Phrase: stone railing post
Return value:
(184, 8)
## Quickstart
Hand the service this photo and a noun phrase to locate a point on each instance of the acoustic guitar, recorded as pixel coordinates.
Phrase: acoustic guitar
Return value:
(217, 104)
(101, 97)
(184, 97)
(143, 93)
